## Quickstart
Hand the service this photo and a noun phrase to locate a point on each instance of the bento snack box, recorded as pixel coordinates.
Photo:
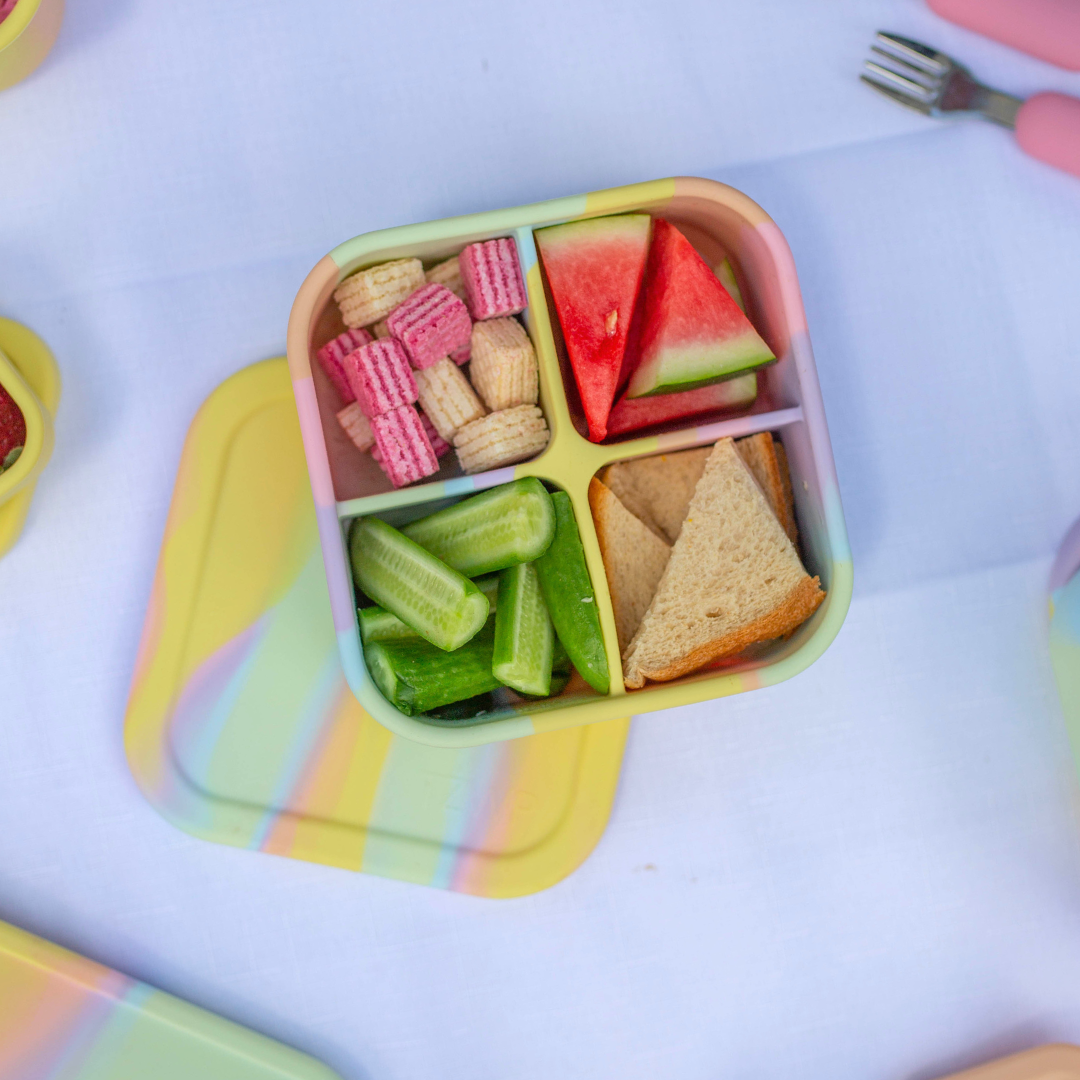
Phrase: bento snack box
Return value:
(721, 223)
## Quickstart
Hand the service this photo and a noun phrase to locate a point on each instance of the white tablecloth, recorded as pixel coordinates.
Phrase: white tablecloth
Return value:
(871, 871)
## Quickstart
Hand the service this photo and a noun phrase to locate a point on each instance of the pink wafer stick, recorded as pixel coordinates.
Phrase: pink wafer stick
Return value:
(462, 355)
(430, 324)
(492, 277)
(380, 377)
(438, 443)
(334, 352)
(404, 452)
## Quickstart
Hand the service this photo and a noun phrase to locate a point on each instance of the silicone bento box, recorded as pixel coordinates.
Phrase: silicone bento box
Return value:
(346, 484)
(26, 36)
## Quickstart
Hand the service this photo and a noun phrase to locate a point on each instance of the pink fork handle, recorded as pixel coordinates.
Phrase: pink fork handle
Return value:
(1048, 29)
(1048, 128)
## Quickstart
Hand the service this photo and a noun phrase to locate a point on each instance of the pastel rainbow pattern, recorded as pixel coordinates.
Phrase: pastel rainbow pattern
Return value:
(241, 727)
(63, 1017)
(570, 460)
(1065, 632)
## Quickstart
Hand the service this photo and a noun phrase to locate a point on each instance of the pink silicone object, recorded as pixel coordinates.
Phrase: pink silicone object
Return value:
(405, 454)
(380, 377)
(1048, 29)
(492, 279)
(334, 352)
(6, 8)
(430, 324)
(438, 443)
(1048, 128)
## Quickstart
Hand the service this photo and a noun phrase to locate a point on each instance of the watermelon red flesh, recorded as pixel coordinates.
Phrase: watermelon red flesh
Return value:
(633, 414)
(692, 331)
(12, 426)
(595, 268)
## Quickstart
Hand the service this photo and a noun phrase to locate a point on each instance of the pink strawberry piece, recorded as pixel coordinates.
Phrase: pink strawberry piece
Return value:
(380, 377)
(492, 277)
(333, 353)
(405, 454)
(438, 443)
(430, 324)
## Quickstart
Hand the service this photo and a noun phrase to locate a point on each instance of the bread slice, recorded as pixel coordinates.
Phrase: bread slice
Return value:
(657, 490)
(733, 579)
(760, 457)
(634, 559)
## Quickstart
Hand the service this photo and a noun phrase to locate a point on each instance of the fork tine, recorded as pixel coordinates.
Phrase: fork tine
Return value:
(902, 67)
(914, 53)
(882, 76)
(897, 96)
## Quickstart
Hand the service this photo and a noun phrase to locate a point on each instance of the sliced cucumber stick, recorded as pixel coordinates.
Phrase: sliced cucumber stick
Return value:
(568, 593)
(378, 624)
(524, 639)
(509, 524)
(416, 677)
(441, 605)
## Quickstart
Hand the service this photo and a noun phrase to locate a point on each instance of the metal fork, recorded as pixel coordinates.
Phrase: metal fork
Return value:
(932, 83)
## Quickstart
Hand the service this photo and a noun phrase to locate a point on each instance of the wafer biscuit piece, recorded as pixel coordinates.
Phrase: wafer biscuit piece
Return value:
(504, 369)
(380, 377)
(449, 274)
(381, 331)
(501, 438)
(333, 353)
(405, 454)
(492, 276)
(372, 294)
(447, 398)
(430, 324)
(438, 443)
(355, 425)
(463, 354)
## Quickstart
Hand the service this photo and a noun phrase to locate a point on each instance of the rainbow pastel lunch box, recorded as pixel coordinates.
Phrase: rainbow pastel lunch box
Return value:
(26, 36)
(346, 484)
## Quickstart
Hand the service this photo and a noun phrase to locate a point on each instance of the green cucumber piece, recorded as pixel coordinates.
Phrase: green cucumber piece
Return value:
(561, 670)
(378, 624)
(512, 523)
(571, 602)
(415, 676)
(441, 605)
(524, 639)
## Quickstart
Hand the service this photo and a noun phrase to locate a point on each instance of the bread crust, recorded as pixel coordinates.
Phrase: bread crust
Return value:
(796, 608)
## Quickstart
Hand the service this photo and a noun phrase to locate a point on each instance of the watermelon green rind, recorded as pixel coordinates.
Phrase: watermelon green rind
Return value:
(595, 268)
(716, 364)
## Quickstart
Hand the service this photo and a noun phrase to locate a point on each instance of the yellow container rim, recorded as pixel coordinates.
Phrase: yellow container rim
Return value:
(17, 21)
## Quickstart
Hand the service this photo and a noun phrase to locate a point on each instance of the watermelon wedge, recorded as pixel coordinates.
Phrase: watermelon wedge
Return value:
(692, 331)
(633, 414)
(595, 268)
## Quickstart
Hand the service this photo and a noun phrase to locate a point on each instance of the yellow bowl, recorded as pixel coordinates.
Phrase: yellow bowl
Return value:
(29, 374)
(26, 36)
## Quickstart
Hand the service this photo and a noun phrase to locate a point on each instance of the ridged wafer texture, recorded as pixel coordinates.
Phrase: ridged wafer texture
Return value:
(447, 397)
(504, 369)
(492, 276)
(334, 352)
(380, 377)
(438, 443)
(449, 274)
(501, 438)
(404, 451)
(462, 355)
(372, 294)
(355, 424)
(430, 324)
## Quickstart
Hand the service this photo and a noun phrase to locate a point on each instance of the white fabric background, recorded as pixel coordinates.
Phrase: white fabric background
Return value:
(871, 871)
